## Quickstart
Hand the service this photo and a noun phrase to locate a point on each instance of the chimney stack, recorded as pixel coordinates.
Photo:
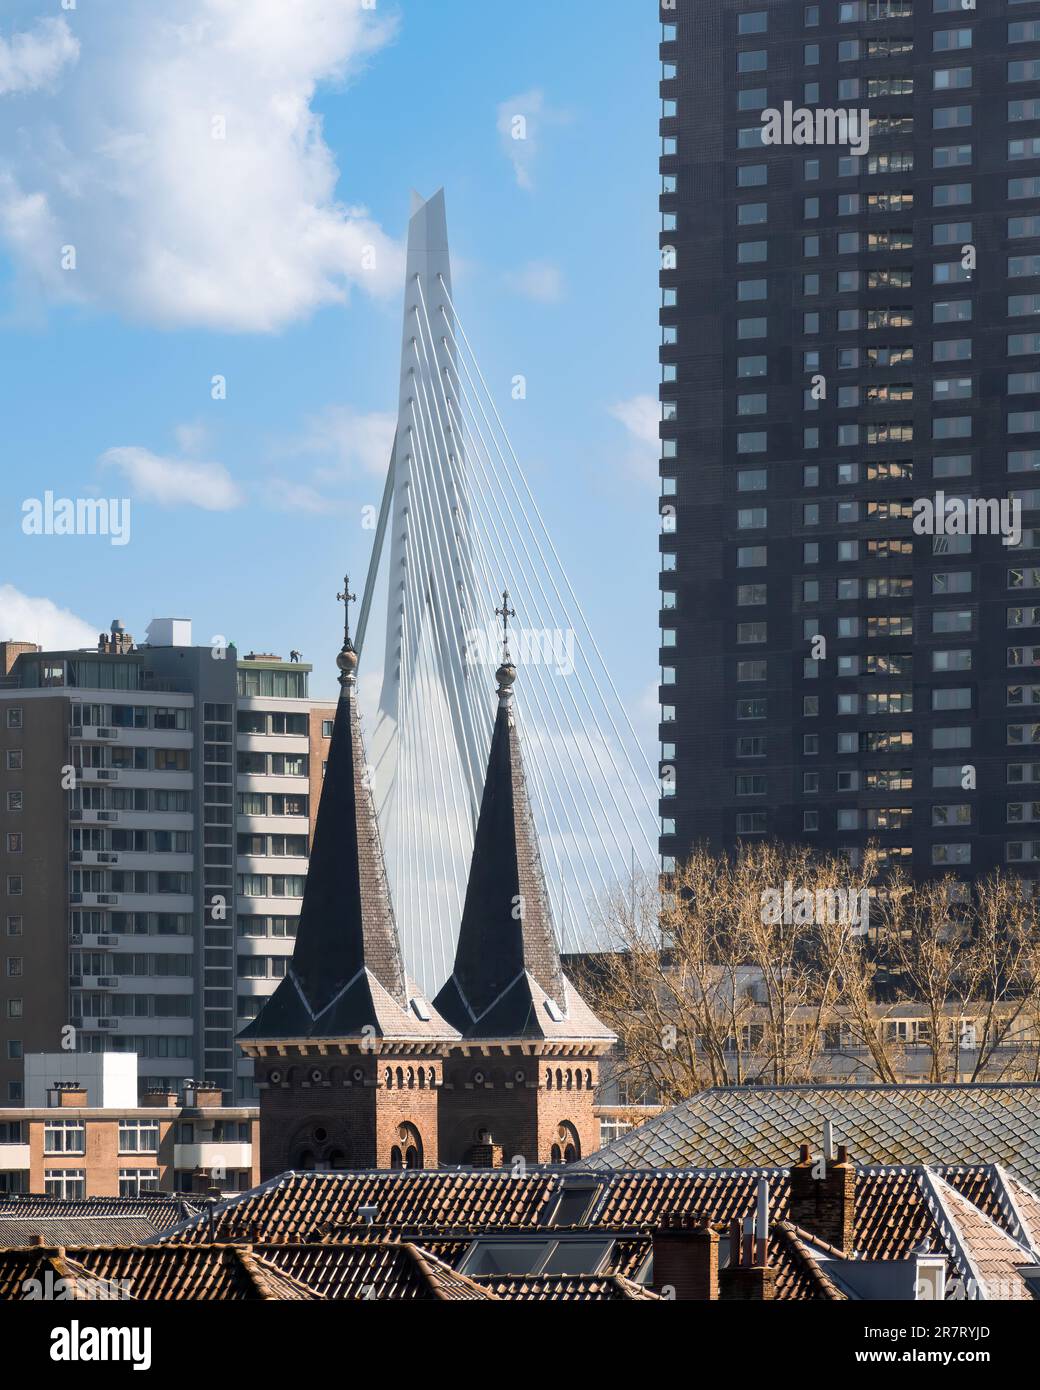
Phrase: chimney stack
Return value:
(686, 1258)
(748, 1277)
(823, 1197)
(485, 1153)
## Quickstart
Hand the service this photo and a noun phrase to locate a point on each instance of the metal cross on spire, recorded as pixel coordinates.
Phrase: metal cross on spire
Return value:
(505, 613)
(346, 598)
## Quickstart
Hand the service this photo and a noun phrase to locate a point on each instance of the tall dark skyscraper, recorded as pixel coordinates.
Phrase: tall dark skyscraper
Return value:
(844, 335)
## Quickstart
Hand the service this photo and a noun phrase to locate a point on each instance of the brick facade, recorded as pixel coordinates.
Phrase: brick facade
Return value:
(533, 1107)
(360, 1110)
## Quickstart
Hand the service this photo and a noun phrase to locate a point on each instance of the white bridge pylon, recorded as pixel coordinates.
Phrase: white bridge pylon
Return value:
(458, 525)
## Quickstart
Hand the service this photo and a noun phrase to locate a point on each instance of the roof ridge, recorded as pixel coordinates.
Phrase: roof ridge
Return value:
(435, 1271)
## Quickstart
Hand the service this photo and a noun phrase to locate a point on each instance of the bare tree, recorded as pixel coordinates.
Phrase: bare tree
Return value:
(738, 970)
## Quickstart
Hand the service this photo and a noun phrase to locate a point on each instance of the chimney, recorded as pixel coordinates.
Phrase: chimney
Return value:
(748, 1277)
(823, 1197)
(160, 1097)
(67, 1093)
(686, 1258)
(199, 1094)
(11, 651)
(485, 1153)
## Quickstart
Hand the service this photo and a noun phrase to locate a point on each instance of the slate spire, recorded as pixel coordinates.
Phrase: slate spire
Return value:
(347, 970)
(507, 979)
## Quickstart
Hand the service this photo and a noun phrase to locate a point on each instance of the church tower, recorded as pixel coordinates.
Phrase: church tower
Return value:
(348, 1055)
(522, 1079)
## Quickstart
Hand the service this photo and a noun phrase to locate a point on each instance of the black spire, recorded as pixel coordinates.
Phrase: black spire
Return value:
(346, 971)
(507, 980)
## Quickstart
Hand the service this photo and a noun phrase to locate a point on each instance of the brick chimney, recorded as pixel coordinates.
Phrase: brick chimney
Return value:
(686, 1258)
(748, 1277)
(823, 1197)
(485, 1153)
(11, 651)
(202, 1094)
(67, 1093)
(159, 1097)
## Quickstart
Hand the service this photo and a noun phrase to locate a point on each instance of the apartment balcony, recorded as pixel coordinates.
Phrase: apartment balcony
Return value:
(211, 1155)
(14, 1158)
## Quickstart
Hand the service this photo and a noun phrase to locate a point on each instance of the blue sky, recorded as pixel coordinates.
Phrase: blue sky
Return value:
(197, 258)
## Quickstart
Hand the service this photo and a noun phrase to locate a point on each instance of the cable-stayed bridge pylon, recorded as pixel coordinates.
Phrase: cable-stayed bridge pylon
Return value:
(458, 526)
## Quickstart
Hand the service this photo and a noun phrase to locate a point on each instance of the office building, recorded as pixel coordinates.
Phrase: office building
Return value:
(156, 802)
(850, 359)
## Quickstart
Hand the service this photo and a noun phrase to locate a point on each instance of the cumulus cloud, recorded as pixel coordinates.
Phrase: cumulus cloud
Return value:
(344, 446)
(538, 280)
(640, 416)
(35, 58)
(521, 122)
(185, 164)
(30, 618)
(353, 441)
(175, 482)
(286, 496)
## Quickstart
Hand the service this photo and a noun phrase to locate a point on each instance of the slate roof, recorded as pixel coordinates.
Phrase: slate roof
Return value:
(507, 981)
(347, 972)
(90, 1220)
(953, 1124)
(75, 1230)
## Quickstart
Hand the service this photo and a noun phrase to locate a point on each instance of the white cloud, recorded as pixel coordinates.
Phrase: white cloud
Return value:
(175, 482)
(354, 442)
(286, 496)
(191, 439)
(31, 619)
(34, 59)
(640, 416)
(171, 225)
(538, 280)
(521, 122)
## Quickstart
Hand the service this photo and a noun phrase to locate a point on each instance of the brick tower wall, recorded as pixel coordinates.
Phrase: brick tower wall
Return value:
(345, 1114)
(515, 1103)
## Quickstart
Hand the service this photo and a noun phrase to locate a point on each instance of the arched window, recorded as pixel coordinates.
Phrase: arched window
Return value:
(422, 1080)
(570, 1079)
(395, 1158)
(581, 1078)
(569, 1142)
(388, 1077)
(548, 1078)
(554, 1154)
(400, 1078)
(588, 1078)
(411, 1145)
(411, 1078)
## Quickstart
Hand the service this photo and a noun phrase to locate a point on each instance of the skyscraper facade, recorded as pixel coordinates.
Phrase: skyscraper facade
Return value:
(850, 350)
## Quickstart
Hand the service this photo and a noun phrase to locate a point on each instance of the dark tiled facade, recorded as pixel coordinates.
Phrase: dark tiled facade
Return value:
(788, 267)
